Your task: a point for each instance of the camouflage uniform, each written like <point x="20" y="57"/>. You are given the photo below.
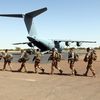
<point x="55" y="59"/>
<point x="72" y="57"/>
<point x="24" y="57"/>
<point x="7" y="59"/>
<point x="36" y="60"/>
<point x="89" y="58"/>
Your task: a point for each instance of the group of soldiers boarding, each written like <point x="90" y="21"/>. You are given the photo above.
<point x="54" y="57"/>
<point x="89" y="58"/>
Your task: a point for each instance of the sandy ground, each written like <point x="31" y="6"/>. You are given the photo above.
<point x="30" y="86"/>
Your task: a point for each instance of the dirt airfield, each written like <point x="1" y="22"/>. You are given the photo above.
<point x="30" y="86"/>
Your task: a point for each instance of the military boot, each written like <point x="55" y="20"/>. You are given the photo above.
<point x="60" y="71"/>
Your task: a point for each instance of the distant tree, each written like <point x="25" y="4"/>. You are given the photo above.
<point x="17" y="48"/>
<point x="97" y="48"/>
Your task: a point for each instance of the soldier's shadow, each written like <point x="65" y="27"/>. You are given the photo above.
<point x="63" y="74"/>
<point x="29" y="72"/>
<point x="0" y="69"/>
<point x="83" y="75"/>
<point x="23" y="71"/>
<point x="45" y="73"/>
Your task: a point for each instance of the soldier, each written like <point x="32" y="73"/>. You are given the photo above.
<point x="55" y="57"/>
<point x="72" y="58"/>
<point x="24" y="57"/>
<point x="7" y="59"/>
<point x="89" y="58"/>
<point x="37" y="59"/>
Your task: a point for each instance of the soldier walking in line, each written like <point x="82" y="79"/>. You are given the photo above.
<point x="89" y="58"/>
<point x="7" y="59"/>
<point x="37" y="59"/>
<point x="55" y="57"/>
<point x="23" y="58"/>
<point x="72" y="58"/>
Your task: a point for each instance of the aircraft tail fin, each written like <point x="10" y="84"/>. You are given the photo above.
<point x="30" y="14"/>
<point x="28" y="18"/>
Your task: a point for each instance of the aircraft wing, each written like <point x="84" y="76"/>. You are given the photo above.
<point x="78" y="43"/>
<point x="83" y="41"/>
<point x="72" y="41"/>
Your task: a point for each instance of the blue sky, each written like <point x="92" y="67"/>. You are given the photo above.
<point x="64" y="19"/>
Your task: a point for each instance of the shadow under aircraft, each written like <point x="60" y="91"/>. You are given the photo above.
<point x="43" y="44"/>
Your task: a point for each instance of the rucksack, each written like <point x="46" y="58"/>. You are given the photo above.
<point x="91" y="57"/>
<point x="58" y="56"/>
<point x="85" y="58"/>
<point x="75" y="57"/>
<point x="94" y="56"/>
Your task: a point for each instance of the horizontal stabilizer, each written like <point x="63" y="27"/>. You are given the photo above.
<point x="12" y="15"/>
<point x="36" y="12"/>
<point x="20" y="43"/>
<point x="30" y="14"/>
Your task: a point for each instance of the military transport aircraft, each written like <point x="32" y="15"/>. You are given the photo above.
<point x="43" y="44"/>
